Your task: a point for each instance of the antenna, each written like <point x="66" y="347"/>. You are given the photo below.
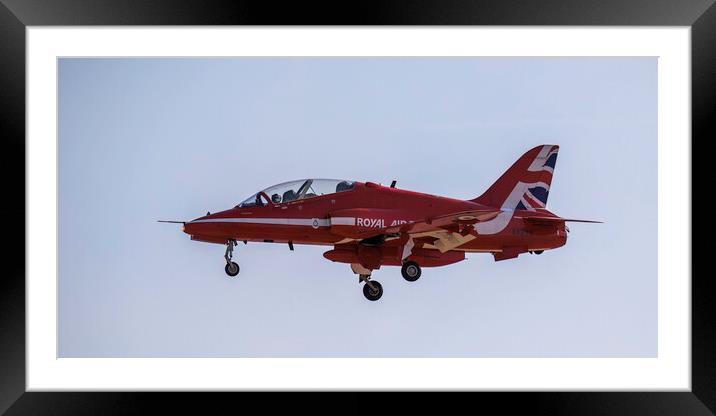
<point x="392" y="184"/>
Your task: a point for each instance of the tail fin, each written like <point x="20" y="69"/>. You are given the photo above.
<point x="525" y="185"/>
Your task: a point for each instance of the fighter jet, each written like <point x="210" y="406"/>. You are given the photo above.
<point x="368" y="225"/>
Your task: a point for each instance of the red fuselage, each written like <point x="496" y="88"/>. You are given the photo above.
<point x="344" y="219"/>
<point x="368" y="225"/>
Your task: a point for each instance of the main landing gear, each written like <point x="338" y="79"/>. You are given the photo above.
<point x="411" y="271"/>
<point x="372" y="290"/>
<point x="231" y="268"/>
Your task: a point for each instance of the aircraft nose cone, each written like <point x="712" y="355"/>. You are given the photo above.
<point x="192" y="227"/>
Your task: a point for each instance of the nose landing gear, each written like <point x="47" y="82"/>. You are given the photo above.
<point x="231" y="268"/>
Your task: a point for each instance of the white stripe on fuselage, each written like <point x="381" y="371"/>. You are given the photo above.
<point x="272" y="221"/>
<point x="343" y="220"/>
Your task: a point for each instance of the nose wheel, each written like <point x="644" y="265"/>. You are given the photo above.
<point x="231" y="268"/>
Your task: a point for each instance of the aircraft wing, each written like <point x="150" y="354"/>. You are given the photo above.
<point x="437" y="223"/>
<point x="455" y="229"/>
<point x="445" y="232"/>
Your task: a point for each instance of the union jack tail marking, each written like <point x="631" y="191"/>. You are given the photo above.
<point x="525" y="185"/>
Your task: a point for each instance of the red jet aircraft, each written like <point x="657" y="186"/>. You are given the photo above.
<point x="370" y="225"/>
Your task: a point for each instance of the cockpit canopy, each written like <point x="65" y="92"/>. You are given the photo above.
<point x="300" y="189"/>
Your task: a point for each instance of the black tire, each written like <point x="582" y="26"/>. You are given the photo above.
<point x="370" y="294"/>
<point x="232" y="269"/>
<point x="411" y="271"/>
<point x="538" y="251"/>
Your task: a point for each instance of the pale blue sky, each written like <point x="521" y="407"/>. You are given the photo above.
<point x="148" y="139"/>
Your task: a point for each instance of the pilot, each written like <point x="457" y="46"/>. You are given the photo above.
<point x="289" y="195"/>
<point x="343" y="186"/>
<point x="276" y="198"/>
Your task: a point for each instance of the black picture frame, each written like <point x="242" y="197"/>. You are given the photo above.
<point x="15" y="15"/>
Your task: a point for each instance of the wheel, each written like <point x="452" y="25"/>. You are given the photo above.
<point x="539" y="251"/>
<point x="411" y="271"/>
<point x="232" y="269"/>
<point x="371" y="294"/>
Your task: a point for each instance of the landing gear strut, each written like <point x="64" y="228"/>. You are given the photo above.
<point x="372" y="290"/>
<point x="231" y="268"/>
<point x="411" y="271"/>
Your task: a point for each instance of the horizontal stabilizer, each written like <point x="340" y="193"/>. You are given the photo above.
<point x="547" y="220"/>
<point x="590" y="221"/>
<point x="172" y="222"/>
